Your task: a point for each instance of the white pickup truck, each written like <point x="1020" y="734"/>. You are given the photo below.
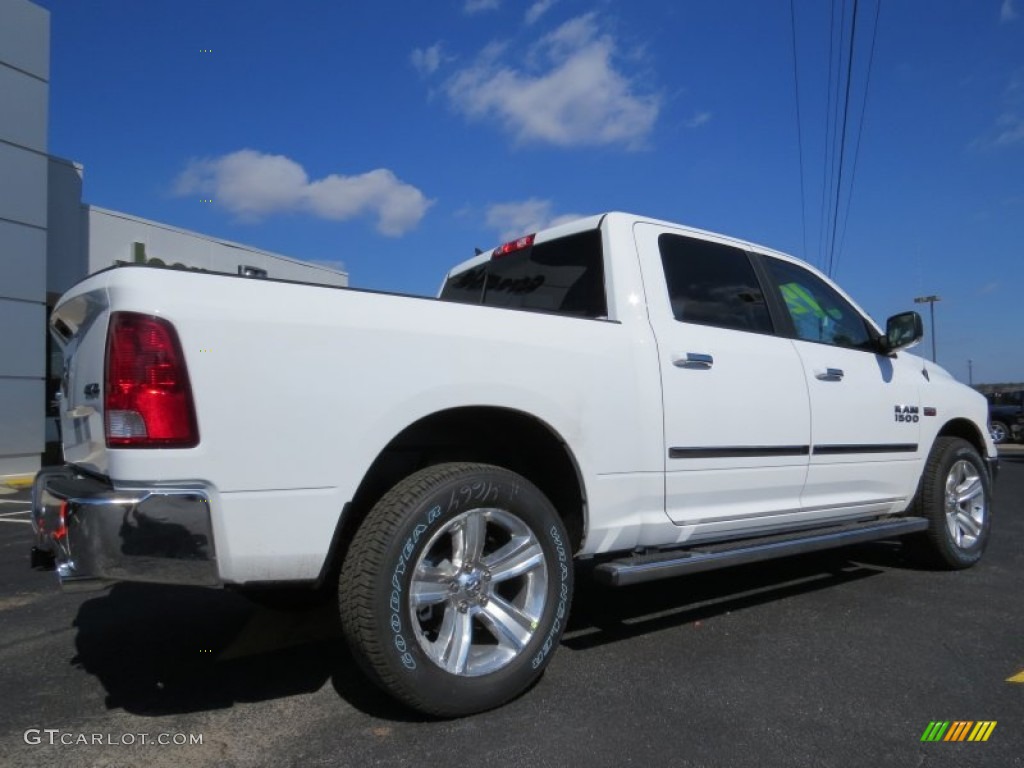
<point x="647" y="398"/>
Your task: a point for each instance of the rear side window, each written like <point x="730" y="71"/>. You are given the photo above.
<point x="565" y="276"/>
<point x="713" y="284"/>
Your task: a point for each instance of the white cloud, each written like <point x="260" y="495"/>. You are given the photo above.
<point x="576" y="97"/>
<point x="1007" y="12"/>
<point x="990" y="287"/>
<point x="1014" y="93"/>
<point x="1010" y="131"/>
<point x="252" y="184"/>
<point x="514" y="219"/>
<point x="699" y="119"/>
<point x="537" y="10"/>
<point x="476" y="6"/>
<point x="427" y="60"/>
<point x="1008" y="126"/>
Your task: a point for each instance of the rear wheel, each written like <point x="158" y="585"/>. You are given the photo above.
<point x="955" y="495"/>
<point x="456" y="588"/>
<point x="999" y="432"/>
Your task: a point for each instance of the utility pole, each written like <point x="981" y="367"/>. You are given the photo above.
<point x="970" y="372"/>
<point x="930" y="301"/>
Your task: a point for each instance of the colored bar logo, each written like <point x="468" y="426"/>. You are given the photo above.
<point x="958" y="730"/>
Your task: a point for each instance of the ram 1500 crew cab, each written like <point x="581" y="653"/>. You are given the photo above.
<point x="650" y="398"/>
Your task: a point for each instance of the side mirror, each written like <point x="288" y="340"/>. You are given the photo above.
<point x="902" y="331"/>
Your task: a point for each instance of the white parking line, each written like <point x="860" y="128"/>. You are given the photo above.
<point x="12" y="514"/>
<point x="5" y="520"/>
<point x="13" y="501"/>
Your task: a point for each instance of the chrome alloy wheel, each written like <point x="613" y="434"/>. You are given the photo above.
<point x="478" y="592"/>
<point x="966" y="505"/>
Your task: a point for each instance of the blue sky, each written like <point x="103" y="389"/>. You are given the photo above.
<point x="396" y="136"/>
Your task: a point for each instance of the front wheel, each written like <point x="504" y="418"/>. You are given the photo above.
<point x="456" y="588"/>
<point x="998" y="431"/>
<point x="955" y="495"/>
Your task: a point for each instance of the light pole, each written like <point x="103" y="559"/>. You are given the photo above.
<point x="970" y="372"/>
<point x="930" y="301"/>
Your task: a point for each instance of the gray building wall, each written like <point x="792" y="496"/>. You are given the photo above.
<point x="67" y="243"/>
<point x="86" y="238"/>
<point x="24" y="94"/>
<point x="114" y="237"/>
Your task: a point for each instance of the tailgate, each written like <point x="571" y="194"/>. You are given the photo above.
<point x="79" y="326"/>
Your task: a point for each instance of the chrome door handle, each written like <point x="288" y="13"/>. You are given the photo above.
<point x="830" y="374"/>
<point x="697" y="360"/>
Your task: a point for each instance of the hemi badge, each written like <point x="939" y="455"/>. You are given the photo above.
<point x="929" y="411"/>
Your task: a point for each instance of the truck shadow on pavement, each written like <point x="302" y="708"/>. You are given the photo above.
<point x="159" y="650"/>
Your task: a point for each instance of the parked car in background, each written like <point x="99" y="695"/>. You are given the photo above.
<point x="1005" y="411"/>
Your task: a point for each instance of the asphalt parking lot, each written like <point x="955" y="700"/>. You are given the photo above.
<point x="833" y="659"/>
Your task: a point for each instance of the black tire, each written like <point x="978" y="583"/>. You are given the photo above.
<point x="999" y="432"/>
<point x="958" y="529"/>
<point x="489" y="561"/>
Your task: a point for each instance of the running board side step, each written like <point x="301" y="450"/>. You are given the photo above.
<point x="637" y="569"/>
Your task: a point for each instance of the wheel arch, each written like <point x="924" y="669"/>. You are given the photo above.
<point x="966" y="430"/>
<point x="493" y="435"/>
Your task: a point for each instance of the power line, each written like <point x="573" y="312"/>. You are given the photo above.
<point x="825" y="180"/>
<point x="799" y="130"/>
<point x="842" y="143"/>
<point x="839" y="135"/>
<point x="860" y="132"/>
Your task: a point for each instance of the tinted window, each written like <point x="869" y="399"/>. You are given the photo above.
<point x="466" y="287"/>
<point x="818" y="311"/>
<point x="712" y="284"/>
<point x="564" y="276"/>
<point x="1013" y="397"/>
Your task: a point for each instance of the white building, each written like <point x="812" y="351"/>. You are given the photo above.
<point x="85" y="238"/>
<point x="49" y="240"/>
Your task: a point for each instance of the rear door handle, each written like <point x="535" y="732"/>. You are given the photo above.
<point x="697" y="360"/>
<point x="830" y="374"/>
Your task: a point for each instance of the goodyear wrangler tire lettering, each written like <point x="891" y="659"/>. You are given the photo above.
<point x="395" y="601"/>
<point x="456" y="588"/>
<point x="563" y="597"/>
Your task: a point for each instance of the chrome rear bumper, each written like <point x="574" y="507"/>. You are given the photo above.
<point x="98" y="533"/>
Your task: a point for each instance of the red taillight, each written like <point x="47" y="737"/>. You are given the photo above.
<point x="512" y="246"/>
<point x="148" y="398"/>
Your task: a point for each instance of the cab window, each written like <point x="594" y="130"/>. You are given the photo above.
<point x="818" y="312"/>
<point x="712" y="284"/>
